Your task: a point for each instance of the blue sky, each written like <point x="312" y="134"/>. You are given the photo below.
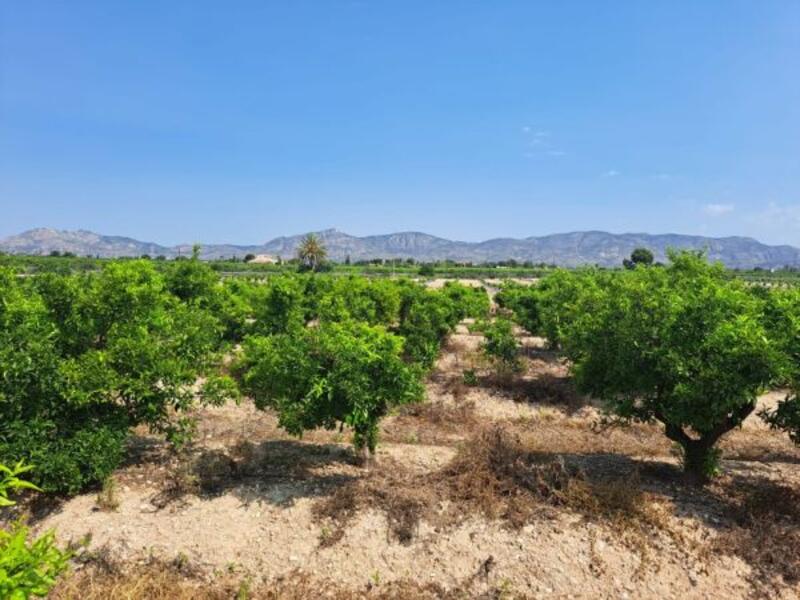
<point x="241" y="121"/>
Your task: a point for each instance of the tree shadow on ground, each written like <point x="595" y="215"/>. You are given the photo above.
<point x="770" y="456"/>
<point x="278" y="472"/>
<point x="755" y="516"/>
<point x="543" y="354"/>
<point x="144" y="449"/>
<point x="548" y="389"/>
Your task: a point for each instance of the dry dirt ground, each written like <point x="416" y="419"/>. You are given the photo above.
<point x="509" y="488"/>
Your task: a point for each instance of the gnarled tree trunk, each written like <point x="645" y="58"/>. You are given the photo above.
<point x="698" y="453"/>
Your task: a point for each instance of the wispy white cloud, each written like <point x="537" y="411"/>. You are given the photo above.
<point x="539" y="144"/>
<point x="662" y="176"/>
<point x="611" y="173"/>
<point x="718" y="210"/>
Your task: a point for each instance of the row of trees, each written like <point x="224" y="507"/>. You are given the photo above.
<point x="85" y="357"/>
<point x="684" y="345"/>
<point x="329" y="352"/>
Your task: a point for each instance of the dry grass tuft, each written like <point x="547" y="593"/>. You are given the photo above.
<point x="388" y="488"/>
<point x="547" y="388"/>
<point x="159" y="581"/>
<point x="107" y="498"/>
<point x="448" y="417"/>
<point x="432" y="422"/>
<point x="150" y="584"/>
<point x="214" y="470"/>
<point x="493" y="473"/>
<point x="457" y="388"/>
<point x="180" y="481"/>
<point x="497" y="475"/>
<point x="766" y="532"/>
<point x="550" y="431"/>
<point x="102" y="577"/>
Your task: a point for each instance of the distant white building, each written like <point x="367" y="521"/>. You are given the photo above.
<point x="264" y="259"/>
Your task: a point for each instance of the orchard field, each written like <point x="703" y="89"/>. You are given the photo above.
<point x="170" y="432"/>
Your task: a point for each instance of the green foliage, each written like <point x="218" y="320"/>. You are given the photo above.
<point x="233" y="310"/>
<point x="786" y="416"/>
<point x="69" y="456"/>
<point x="468" y="302"/>
<point x="28" y="568"/>
<point x="426" y="317"/>
<point x="374" y="302"/>
<point x="427" y="270"/>
<point x="279" y="306"/>
<point x="192" y="281"/>
<point x="311" y="252"/>
<point x="338" y="373"/>
<point x="640" y="256"/>
<point x="550" y="305"/>
<point x="501" y="346"/>
<point x="10" y="480"/>
<point x="85" y="357"/>
<point x="782" y="307"/>
<point x="684" y="345"/>
<point x="522" y="301"/>
<point x="196" y="284"/>
<point x="469" y="377"/>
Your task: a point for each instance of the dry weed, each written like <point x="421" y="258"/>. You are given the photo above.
<point x="497" y="475"/>
<point x="160" y="581"/>
<point x="107" y="498"/>
<point x="448" y="417"/>
<point x="766" y="532"/>
<point x="181" y="481"/>
<point x="387" y="487"/>
<point x="432" y="423"/>
<point x="153" y="582"/>
<point x="214" y="470"/>
<point x="549" y="430"/>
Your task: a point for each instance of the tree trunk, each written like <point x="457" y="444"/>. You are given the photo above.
<point x="366" y="438"/>
<point x="698" y="459"/>
<point x="698" y="453"/>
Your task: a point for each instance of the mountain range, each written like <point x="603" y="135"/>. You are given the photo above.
<point x="565" y="249"/>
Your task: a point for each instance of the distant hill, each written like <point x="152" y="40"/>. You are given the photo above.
<point x="80" y="242"/>
<point x="565" y="249"/>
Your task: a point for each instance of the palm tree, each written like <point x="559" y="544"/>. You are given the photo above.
<point x="311" y="252"/>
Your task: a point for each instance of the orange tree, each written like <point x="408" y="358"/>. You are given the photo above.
<point x="336" y="374"/>
<point x="684" y="345"/>
<point x="783" y="317"/>
<point x="83" y="358"/>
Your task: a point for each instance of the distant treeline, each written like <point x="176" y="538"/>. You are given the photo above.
<point x="63" y="262"/>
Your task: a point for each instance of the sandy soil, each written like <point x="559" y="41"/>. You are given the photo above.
<point x="255" y="516"/>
